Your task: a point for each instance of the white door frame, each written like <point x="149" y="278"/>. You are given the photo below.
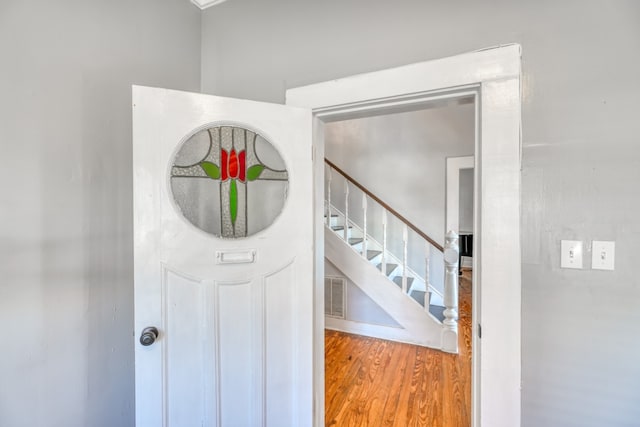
<point x="452" y="211"/>
<point x="453" y="167"/>
<point x="493" y="76"/>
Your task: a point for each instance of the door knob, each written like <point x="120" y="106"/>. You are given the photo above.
<point x="148" y="336"/>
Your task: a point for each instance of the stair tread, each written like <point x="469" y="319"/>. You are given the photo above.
<point x="355" y="240"/>
<point x="398" y="281"/>
<point x="435" y="310"/>
<point x="418" y="296"/>
<point x="390" y="268"/>
<point x="372" y="254"/>
<point x="339" y="227"/>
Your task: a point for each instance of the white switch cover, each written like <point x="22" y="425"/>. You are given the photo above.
<point x="570" y="254"/>
<point x="603" y="255"/>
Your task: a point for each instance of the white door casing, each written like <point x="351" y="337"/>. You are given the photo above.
<point x="493" y="77"/>
<point x="452" y="196"/>
<point x="235" y="316"/>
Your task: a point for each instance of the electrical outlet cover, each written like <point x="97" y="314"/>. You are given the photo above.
<point x="571" y="254"/>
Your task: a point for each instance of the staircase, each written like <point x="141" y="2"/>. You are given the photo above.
<point x="381" y="258"/>
<point x="415" y="284"/>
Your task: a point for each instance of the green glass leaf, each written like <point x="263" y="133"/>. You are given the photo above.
<point x="212" y="170"/>
<point x="254" y="172"/>
<point x="233" y="201"/>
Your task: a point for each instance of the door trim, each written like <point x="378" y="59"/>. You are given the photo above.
<point x="494" y="75"/>
<point x="452" y="170"/>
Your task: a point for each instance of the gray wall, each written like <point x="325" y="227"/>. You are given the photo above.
<point x="465" y="203"/>
<point x="360" y="308"/>
<point x="66" y="261"/>
<point x="401" y="158"/>
<point x="581" y="156"/>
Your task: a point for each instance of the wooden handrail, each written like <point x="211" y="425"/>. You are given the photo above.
<point x="384" y="205"/>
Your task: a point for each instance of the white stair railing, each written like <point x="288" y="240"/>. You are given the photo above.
<point x="370" y="202"/>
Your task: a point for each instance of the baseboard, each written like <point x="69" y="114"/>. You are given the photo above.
<point x="368" y="330"/>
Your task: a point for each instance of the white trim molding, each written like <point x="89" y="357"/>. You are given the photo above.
<point x="493" y="76"/>
<point x="452" y="210"/>
<point x="205" y="4"/>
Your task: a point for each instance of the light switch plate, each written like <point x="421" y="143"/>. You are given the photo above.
<point x="603" y="255"/>
<point x="570" y="254"/>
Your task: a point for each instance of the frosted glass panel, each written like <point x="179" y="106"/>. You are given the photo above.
<point x="266" y="197"/>
<point x="206" y="213"/>
<point x="229" y="181"/>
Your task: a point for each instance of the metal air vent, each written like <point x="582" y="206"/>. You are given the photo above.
<point x="335" y="297"/>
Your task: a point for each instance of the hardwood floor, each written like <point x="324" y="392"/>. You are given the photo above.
<point x="373" y="382"/>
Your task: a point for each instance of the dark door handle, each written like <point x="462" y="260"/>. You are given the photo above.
<point x="149" y="336"/>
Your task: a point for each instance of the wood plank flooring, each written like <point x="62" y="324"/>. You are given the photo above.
<point x="373" y="382"/>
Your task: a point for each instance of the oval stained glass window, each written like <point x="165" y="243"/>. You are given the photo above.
<point x="229" y="181"/>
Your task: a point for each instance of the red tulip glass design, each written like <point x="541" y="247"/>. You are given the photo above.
<point x="233" y="167"/>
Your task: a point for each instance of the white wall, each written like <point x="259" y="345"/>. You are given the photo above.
<point x="581" y="156"/>
<point x="66" y="280"/>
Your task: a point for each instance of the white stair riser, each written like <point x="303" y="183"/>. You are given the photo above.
<point x="335" y="220"/>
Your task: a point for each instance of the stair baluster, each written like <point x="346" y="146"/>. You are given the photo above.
<point x="405" y="244"/>
<point x="364" y="226"/>
<point x="427" y="282"/>
<point x="450" y="323"/>
<point x="329" y="197"/>
<point x="346" y="210"/>
<point x="383" y="261"/>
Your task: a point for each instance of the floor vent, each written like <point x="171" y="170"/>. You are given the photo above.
<point x="335" y="296"/>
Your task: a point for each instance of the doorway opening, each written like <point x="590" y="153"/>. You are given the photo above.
<point x="386" y="179"/>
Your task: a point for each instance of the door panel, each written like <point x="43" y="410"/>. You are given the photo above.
<point x="238" y="347"/>
<point x="280" y="334"/>
<point x="234" y="314"/>
<point x="184" y="307"/>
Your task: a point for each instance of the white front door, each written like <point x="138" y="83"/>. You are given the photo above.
<point x="223" y="226"/>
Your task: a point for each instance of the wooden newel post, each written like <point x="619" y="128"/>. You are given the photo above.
<point x="450" y="323"/>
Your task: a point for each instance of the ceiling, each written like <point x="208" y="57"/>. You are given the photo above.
<point x="203" y="4"/>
